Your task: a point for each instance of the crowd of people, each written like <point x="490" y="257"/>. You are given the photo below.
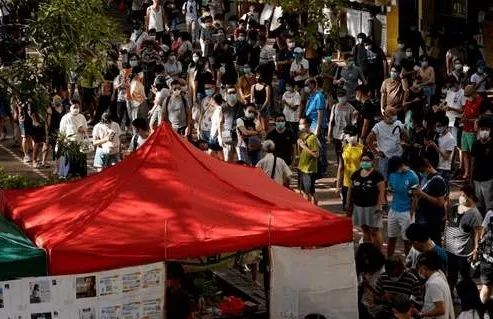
<point x="412" y="127"/>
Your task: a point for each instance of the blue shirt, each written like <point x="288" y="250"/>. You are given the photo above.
<point x="401" y="183"/>
<point x="315" y="103"/>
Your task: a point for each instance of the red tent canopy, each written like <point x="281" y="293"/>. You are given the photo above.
<point x="168" y="200"/>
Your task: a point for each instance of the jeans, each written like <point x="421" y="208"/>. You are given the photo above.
<point x="383" y="166"/>
<point x="484" y="193"/>
<point x="250" y="157"/>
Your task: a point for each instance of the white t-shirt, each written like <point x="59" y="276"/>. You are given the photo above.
<point x="446" y="143"/>
<point x="437" y="289"/>
<point x="341" y="116"/>
<point x="155" y="18"/>
<point x="295" y="66"/>
<point x="455" y="100"/>
<point x="70" y="124"/>
<point x="476" y="78"/>
<point x="282" y="170"/>
<point x="469" y="314"/>
<point x="389" y="138"/>
<point x="291" y="98"/>
<point x="101" y="131"/>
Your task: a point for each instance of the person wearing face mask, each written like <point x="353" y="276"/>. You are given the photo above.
<point x="210" y="125"/>
<point x="260" y="96"/>
<point x="388" y="135"/>
<point x="427" y="74"/>
<point x="482" y="168"/>
<point x="480" y="78"/>
<point x="350" y="163"/>
<point x="291" y="101"/>
<point x="242" y="49"/>
<point x="349" y="76"/>
<point x="438" y="303"/>
<point x="106" y="139"/>
<point x="231" y="110"/>
<point x="283" y="62"/>
<point x="368" y="111"/>
<point x="366" y="195"/>
<point x="462" y="235"/>
<point x="342" y="115"/>
<point x="359" y="50"/>
<point x="376" y="66"/>
<point x="454" y="105"/>
<point x="206" y="111"/>
<point x="138" y="36"/>
<point x="469" y="121"/>
<point x="316" y="110"/>
<point x="121" y="84"/>
<point x="445" y="148"/>
<point x="245" y="84"/>
<point x="73" y="126"/>
<point x="274" y="166"/>
<point x="299" y="68"/>
<point x="173" y="67"/>
<point x="399" y="54"/>
<point x="394" y="91"/>
<point x="161" y="92"/>
<point x="283" y="138"/>
<point x="429" y="200"/>
<point x="249" y="131"/>
<point x="401" y="180"/>
<point x="458" y="73"/>
<point x="395" y="281"/>
<point x="176" y="110"/>
<point x="205" y="38"/>
<point x="309" y="151"/>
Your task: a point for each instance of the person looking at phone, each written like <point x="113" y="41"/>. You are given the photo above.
<point x="106" y="138"/>
<point x="402" y="180"/>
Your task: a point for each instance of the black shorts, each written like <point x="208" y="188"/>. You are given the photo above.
<point x="39" y="134"/>
<point x="486" y="273"/>
<point x="306" y="182"/>
<point x="214" y="144"/>
<point x="26" y="127"/>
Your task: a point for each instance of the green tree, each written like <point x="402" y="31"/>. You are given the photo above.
<point x="62" y="36"/>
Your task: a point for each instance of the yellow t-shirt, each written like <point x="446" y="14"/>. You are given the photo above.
<point x="308" y="163"/>
<point x="351" y="155"/>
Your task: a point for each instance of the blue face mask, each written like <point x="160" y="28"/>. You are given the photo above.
<point x="280" y="125"/>
<point x="209" y="92"/>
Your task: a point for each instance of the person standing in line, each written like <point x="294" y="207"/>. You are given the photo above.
<point x="445" y="148"/>
<point x="156" y="19"/>
<point x="482" y="164"/>
<point x="469" y="119"/>
<point x="274" y="166"/>
<point x="308" y="161"/>
<point x="401" y="181"/>
<point x="367" y="195"/>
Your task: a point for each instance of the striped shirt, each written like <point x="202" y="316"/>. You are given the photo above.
<point x="407" y="285"/>
<point x="459" y="231"/>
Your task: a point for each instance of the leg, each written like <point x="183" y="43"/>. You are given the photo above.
<point x="376" y="237"/>
<point x="485" y="293"/>
<point x="453" y="270"/>
<point x="391" y="246"/>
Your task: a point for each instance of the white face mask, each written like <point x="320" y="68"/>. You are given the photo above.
<point x="462" y="200"/>
<point x="483" y="134"/>
<point x="352" y="140"/>
<point x="134" y="63"/>
<point x="74" y="111"/>
<point x="195" y="59"/>
<point x="409" y="54"/>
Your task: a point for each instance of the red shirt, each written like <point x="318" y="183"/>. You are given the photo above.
<point x="471" y="113"/>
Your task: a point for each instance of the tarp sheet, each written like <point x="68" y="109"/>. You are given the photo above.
<point x="168" y="200"/>
<point x="19" y="257"/>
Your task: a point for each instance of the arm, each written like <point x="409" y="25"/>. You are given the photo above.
<point x="320" y="116"/>
<point x="365" y="129"/>
<point x="438" y="310"/>
<point x="267" y="99"/>
<point x="252" y="96"/>
<point x="381" y="194"/>
<point x="435" y="201"/>
<point x="383" y="98"/>
<point x="370" y="140"/>
<point x="331" y="122"/>
<point x="146" y="18"/>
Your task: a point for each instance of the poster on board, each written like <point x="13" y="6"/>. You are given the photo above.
<point x="127" y="293"/>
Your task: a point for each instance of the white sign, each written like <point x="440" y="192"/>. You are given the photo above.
<point x="314" y="281"/>
<point x="126" y="293"/>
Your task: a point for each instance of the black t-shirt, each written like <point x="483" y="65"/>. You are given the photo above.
<point x="483" y="159"/>
<point x="284" y="144"/>
<point x="368" y="112"/>
<point x="427" y="213"/>
<point x="364" y="190"/>
<point x="242" y="49"/>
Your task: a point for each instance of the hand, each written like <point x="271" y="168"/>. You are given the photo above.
<point x="301" y="143"/>
<point x="417" y="192"/>
<point x="81" y="129"/>
<point x="188" y="131"/>
<point x="473" y="256"/>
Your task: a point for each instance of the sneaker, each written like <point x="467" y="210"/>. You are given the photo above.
<point x="27" y="159"/>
